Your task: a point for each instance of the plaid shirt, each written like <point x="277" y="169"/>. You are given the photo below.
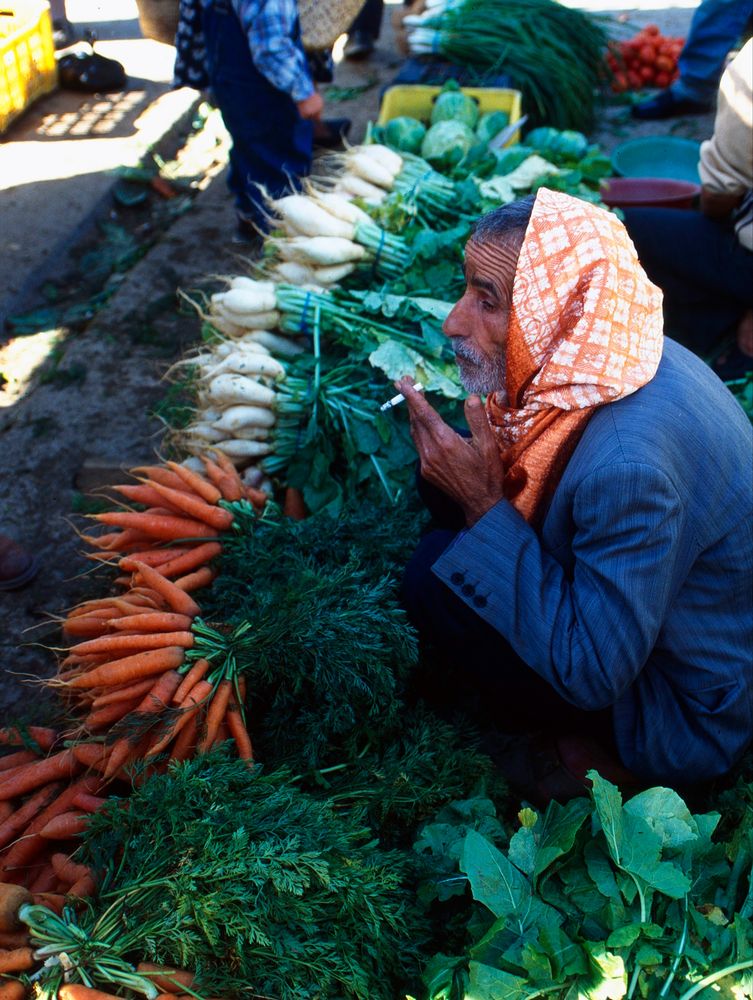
<point x="270" y="26"/>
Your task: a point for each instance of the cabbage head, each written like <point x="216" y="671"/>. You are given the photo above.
<point x="490" y="124"/>
<point x="405" y="133"/>
<point x="453" y="105"/>
<point x="446" y="143"/>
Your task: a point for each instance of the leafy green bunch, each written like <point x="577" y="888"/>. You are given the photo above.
<point x="256" y="886"/>
<point x="604" y="900"/>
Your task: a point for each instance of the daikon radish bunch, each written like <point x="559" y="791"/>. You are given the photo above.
<point x="321" y="240"/>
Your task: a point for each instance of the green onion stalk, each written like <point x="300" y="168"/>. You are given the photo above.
<point x="388" y="255"/>
<point x="434" y="196"/>
<point x="86" y="949"/>
<point x="552" y="53"/>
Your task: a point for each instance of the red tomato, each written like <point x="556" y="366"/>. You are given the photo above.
<point x="634" y="79"/>
<point x="662" y="79"/>
<point x="651" y="29"/>
<point x="664" y="64"/>
<point x="647" y="54"/>
<point x="646" y="73"/>
<point x="620" y="83"/>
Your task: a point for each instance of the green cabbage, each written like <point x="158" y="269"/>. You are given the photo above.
<point x="405" y="133"/>
<point x="452" y="105"/>
<point x="490" y="124"/>
<point x="510" y="158"/>
<point x="559" y="146"/>
<point x="446" y="143"/>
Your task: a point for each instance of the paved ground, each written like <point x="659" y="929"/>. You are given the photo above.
<point x="78" y="404"/>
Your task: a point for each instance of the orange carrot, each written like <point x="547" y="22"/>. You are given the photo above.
<point x="189" y="706"/>
<point x="89" y="803"/>
<point x="52" y="900"/>
<point x="193" y="506"/>
<point x="153" y="557"/>
<point x="65" y="826"/>
<point x="176" y="599"/>
<point x="66" y="870"/>
<point x="43" y="736"/>
<point x="238" y="730"/>
<point x="12" y="760"/>
<point x="194" y="675"/>
<point x="121" y="643"/>
<point x="185" y="742"/>
<point x="231" y="487"/>
<point x="165" y="978"/>
<point x="103" y="718"/>
<point x="215" y="714"/>
<point x="90" y="754"/>
<point x="86" y="626"/>
<point x="12" y="989"/>
<point x="19" y="820"/>
<point x="196" y="482"/>
<point x="41" y="772"/>
<point x="190" y="560"/>
<point x="75" y="991"/>
<point x="294" y="506"/>
<point x="123" y="693"/>
<point x="14" y="939"/>
<point x="45" y="880"/>
<point x="153" y="621"/>
<point x="12" y="898"/>
<point x="6" y="810"/>
<point x="130" y="668"/>
<point x="160" y="474"/>
<point x="141" y="493"/>
<point x="165" y="527"/>
<point x="196" y="580"/>
<point x="155" y="701"/>
<point x="16" y="960"/>
<point x="257" y="497"/>
<point x="25" y="848"/>
<point x="83" y="888"/>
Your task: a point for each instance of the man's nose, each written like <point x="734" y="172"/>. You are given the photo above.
<point x="454" y="326"/>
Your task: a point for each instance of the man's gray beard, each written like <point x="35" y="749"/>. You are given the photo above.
<point x="478" y="372"/>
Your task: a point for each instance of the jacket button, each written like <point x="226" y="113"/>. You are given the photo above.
<point x="467" y="589"/>
<point x="457" y="578"/>
<point x="479" y="601"/>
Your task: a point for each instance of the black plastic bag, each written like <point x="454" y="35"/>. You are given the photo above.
<point x="91" y="72"/>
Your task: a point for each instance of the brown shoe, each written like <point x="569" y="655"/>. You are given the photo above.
<point x="17" y="565"/>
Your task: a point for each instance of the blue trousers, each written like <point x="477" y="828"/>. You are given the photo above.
<point x="715" y="29"/>
<point x="271" y="143"/>
<point x="706" y="276"/>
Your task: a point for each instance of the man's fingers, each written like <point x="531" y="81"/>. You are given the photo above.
<point x="478" y="425"/>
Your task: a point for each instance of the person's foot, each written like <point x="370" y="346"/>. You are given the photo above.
<point x="17" y="565"/>
<point x="360" y="45"/>
<point x="330" y="132"/>
<point x="666" y="104"/>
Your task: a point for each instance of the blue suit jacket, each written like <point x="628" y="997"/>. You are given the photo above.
<point x="637" y="590"/>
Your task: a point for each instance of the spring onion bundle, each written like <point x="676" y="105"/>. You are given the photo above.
<point x="553" y="54"/>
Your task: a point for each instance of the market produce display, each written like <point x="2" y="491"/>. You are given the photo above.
<point x="648" y="59"/>
<point x="553" y="54"/>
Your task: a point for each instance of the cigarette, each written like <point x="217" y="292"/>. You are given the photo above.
<point x="396" y="400"/>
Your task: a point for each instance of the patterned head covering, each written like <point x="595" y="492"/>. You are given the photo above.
<point x="585" y="329"/>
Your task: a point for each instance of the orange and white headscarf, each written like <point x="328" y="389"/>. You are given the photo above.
<point x="585" y="329"/>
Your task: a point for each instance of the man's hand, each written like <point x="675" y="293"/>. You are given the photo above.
<point x="312" y="107"/>
<point x="468" y="470"/>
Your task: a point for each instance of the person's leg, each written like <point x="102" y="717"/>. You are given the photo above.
<point x="706" y="276"/>
<point x="272" y="144"/>
<point x="364" y="31"/>
<point x="716" y="28"/>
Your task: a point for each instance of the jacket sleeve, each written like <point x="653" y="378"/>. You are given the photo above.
<point x="270" y="26"/>
<point x="587" y="632"/>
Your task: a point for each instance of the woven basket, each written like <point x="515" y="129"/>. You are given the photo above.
<point x="323" y="21"/>
<point x="158" y="19"/>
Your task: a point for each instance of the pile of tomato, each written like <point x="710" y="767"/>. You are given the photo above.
<point x="647" y="60"/>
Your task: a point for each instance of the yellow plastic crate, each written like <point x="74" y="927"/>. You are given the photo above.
<point x="417" y="100"/>
<point x="27" y="56"/>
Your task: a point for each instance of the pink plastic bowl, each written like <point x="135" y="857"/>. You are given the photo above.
<point x="656" y="192"/>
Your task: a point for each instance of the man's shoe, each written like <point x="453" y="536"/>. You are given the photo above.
<point x="360" y="45"/>
<point x="17" y="565"/>
<point x="666" y="105"/>
<point x="330" y="132"/>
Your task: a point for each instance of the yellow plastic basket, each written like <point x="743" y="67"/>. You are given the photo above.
<point x="27" y="57"/>
<point x="416" y="100"/>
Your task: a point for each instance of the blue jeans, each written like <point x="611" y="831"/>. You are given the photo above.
<point x="272" y="144"/>
<point x="715" y="29"/>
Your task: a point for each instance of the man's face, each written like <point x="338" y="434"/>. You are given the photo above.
<point x="477" y="325"/>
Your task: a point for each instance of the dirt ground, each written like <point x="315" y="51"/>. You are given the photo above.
<point x="80" y="396"/>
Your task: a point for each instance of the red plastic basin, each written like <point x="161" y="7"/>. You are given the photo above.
<point x="656" y="192"/>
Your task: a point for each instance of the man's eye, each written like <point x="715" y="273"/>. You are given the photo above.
<point x="487" y="306"/>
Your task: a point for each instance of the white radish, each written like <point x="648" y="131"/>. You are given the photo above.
<point x="370" y="170"/>
<point x="321" y="251"/>
<point x="331" y="275"/>
<point x="204" y="432"/>
<point x="306" y="218"/>
<point x="242" y="281"/>
<point x="341" y="207"/>
<point x="254" y="321"/>
<point x="251" y="434"/>
<point x="292" y="273"/>
<point x="249" y="363"/>
<point x="385" y="156"/>
<point x="239" y="449"/>
<point x="278" y="344"/>
<point x="225" y="326"/>
<point x="235" y="418"/>
<point x="259" y="298"/>
<point x="253" y="477"/>
<point x="359" y="188"/>
<point x="227" y="389"/>
<point x="194" y="464"/>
